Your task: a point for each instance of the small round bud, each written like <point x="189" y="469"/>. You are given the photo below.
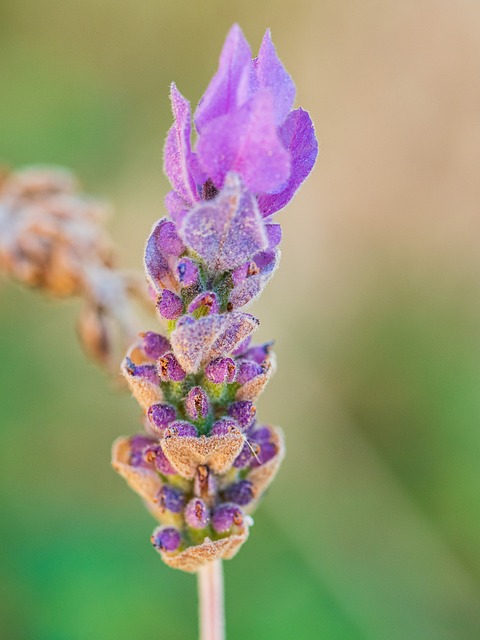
<point x="196" y="404"/>
<point x="160" y="416"/>
<point x="170" y="369"/>
<point x="170" y="499"/>
<point x="166" y="539"/>
<point x="223" y="427"/>
<point x="240" y="492"/>
<point x="154" y="345"/>
<point x="170" y="305"/>
<point x="180" y="428"/>
<point x="243" y="412"/>
<point x="225" y="516"/>
<point x="196" y="514"/>
<point x="221" y="370"/>
<point x="246" y="370"/>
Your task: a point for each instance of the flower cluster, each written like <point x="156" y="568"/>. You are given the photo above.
<point x="52" y="237"/>
<point x="204" y="461"/>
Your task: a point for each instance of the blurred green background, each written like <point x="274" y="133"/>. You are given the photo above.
<point x="372" y="529"/>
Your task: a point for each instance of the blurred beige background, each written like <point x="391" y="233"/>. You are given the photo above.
<point x="372" y="529"/>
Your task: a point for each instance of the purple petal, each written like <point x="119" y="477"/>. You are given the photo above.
<point x="271" y="74"/>
<point x="298" y="136"/>
<point x="229" y="87"/>
<point x="176" y="207"/>
<point x="162" y="243"/>
<point x="247" y="142"/>
<point x="226" y="231"/>
<point x="274" y="234"/>
<point x="177" y="152"/>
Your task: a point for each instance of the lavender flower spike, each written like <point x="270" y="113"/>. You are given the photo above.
<point x="206" y="462"/>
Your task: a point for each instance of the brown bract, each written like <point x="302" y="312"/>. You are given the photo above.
<point x="186" y="453"/>
<point x="193" y="558"/>
<point x="254" y="387"/>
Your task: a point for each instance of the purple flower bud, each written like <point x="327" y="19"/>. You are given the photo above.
<point x="246" y="455"/>
<point x="243" y="412"/>
<point x="143" y="371"/>
<point x="187" y="272"/>
<point x="258" y="353"/>
<point x="170" y="305"/>
<point x="223" y="427"/>
<point x="137" y="446"/>
<point x="196" y="404"/>
<point x="204" y="304"/>
<point x="180" y="428"/>
<point x="221" y="370"/>
<point x="160" y="416"/>
<point x="170" y="499"/>
<point x="248" y="369"/>
<point x="225" y="516"/>
<point x="241" y="492"/>
<point x="154" y="345"/>
<point x="169" y="368"/>
<point x="196" y="514"/>
<point x="268" y="450"/>
<point x="166" y="539"/>
<point x="154" y="453"/>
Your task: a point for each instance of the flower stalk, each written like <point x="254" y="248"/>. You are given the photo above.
<point x="211" y="601"/>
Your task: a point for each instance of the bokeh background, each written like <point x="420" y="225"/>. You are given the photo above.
<point x="372" y="529"/>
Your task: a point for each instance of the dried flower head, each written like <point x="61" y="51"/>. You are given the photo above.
<point x="52" y="236"/>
